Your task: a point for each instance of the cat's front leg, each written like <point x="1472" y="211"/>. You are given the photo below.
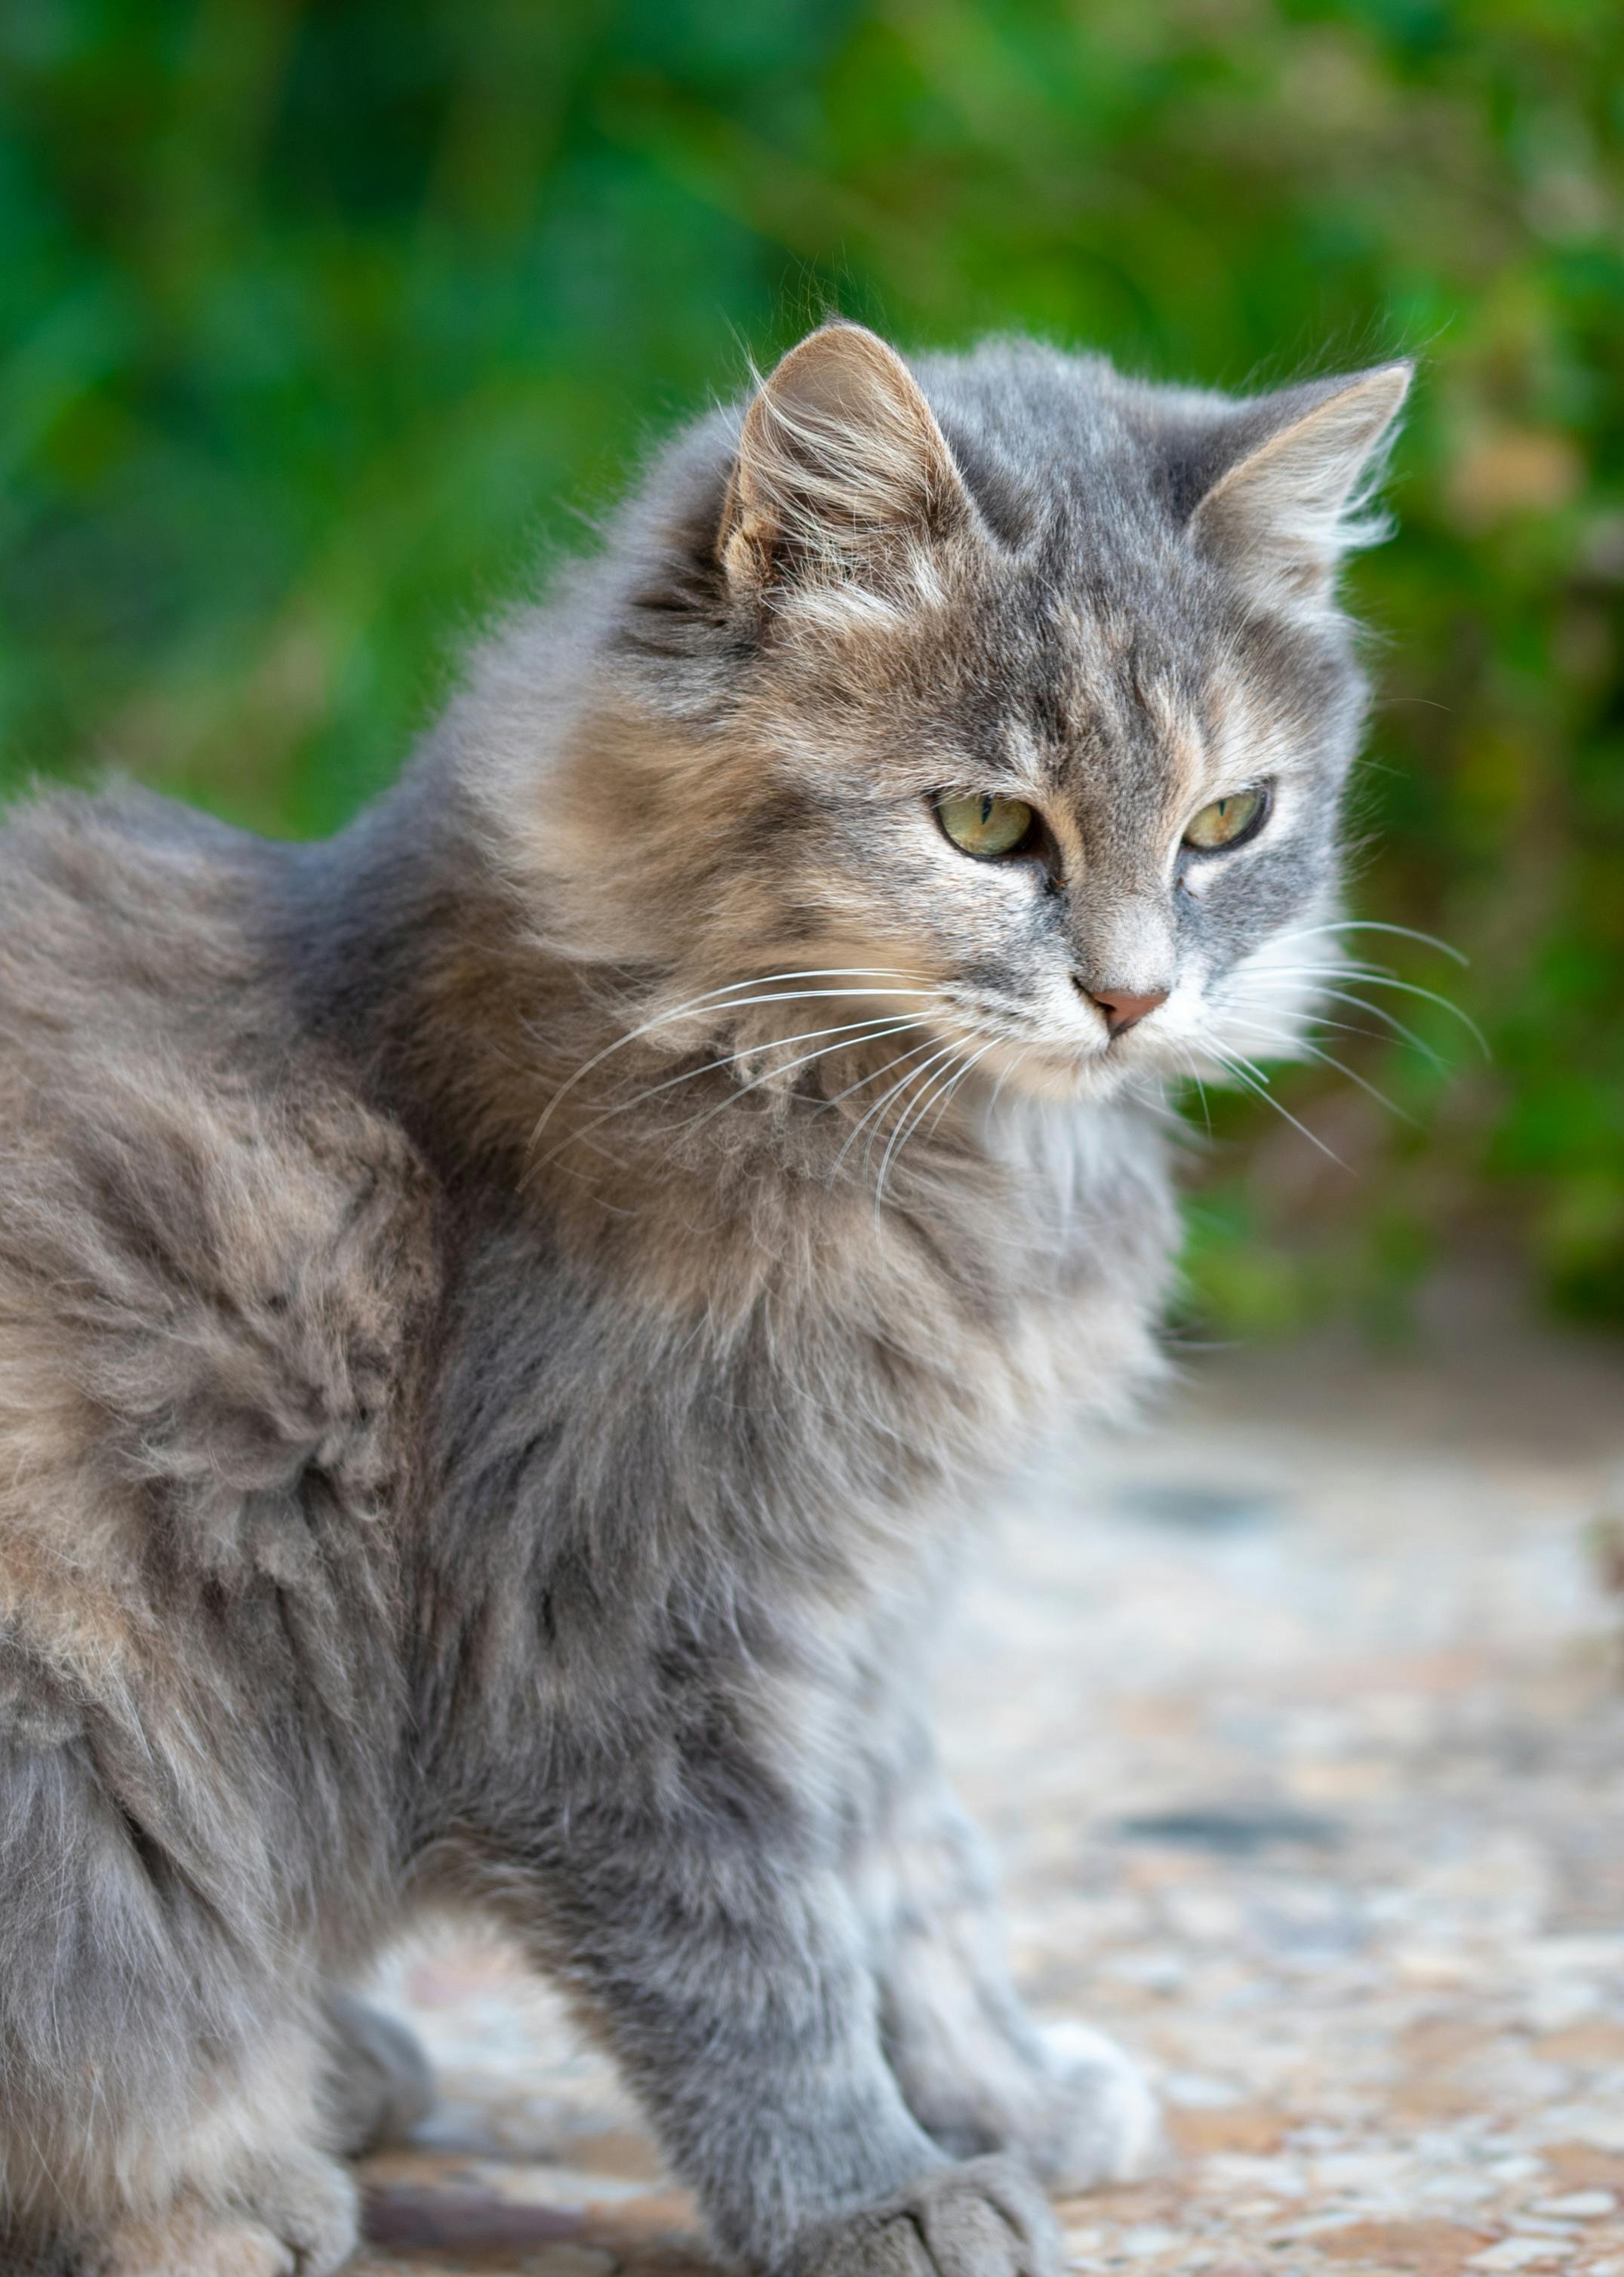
<point x="727" y="1969"/>
<point x="975" y="2069"/>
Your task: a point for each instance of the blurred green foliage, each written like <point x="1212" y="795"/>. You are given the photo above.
<point x="321" y="320"/>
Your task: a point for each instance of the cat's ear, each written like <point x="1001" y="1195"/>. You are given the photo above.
<point x="839" y="463"/>
<point x="1282" y="514"/>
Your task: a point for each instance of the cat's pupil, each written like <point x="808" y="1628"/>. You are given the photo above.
<point x="986" y="807"/>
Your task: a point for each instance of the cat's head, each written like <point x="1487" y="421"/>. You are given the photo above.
<point x="998" y="691"/>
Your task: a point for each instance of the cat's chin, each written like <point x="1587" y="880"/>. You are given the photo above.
<point x="1066" y="1080"/>
<point x="1124" y="1070"/>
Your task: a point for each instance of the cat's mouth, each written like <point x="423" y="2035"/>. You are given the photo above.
<point x="1064" y="1067"/>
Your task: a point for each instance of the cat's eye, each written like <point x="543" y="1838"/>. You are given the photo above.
<point x="988" y="828"/>
<point x="1227" y="821"/>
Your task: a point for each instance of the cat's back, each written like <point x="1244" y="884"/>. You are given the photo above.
<point x="212" y="1253"/>
<point x="125" y="933"/>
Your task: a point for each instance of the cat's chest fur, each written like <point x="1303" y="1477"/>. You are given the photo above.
<point x="776" y="1372"/>
<point x="664" y="1536"/>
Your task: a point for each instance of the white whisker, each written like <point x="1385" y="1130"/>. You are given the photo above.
<point x="884" y="1021"/>
<point x="719" y="999"/>
<point x="874" y="1036"/>
<point x="873" y="1074"/>
<point x="887" y="1024"/>
<point x="1255" y="1081"/>
<point x="1430" y="996"/>
<point x="915" y="1109"/>
<point x="1377" y="977"/>
<point x="1374" y="925"/>
<point x="885" y="1098"/>
<point x="1303" y="1045"/>
<point x="943" y="1100"/>
<point x="1390" y="1020"/>
<point x="1188" y="1056"/>
<point x="744" y="1003"/>
<point x="968" y="1069"/>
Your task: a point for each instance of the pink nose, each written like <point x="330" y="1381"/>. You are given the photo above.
<point x="1123" y="1010"/>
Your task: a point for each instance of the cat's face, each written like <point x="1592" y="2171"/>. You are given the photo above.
<point x="1038" y="707"/>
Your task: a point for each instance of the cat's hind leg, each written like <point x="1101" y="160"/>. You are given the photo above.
<point x="243" y="2191"/>
<point x="164" y="2048"/>
<point x="977" y="2072"/>
<point x="288" y="2216"/>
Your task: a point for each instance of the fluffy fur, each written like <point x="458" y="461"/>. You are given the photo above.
<point x="501" y="1314"/>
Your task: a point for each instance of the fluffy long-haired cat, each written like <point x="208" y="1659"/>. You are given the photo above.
<point x="502" y="1313"/>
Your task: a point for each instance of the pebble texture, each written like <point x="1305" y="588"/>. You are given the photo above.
<point x="1299" y="1722"/>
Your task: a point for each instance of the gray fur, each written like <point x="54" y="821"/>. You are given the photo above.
<point x="483" y="1416"/>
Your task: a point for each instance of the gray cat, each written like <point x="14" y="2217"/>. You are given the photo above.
<point x="501" y="1314"/>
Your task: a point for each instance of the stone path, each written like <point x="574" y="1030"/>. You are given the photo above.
<point x="1299" y="1724"/>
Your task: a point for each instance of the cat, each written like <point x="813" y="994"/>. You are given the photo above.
<point x="506" y="1314"/>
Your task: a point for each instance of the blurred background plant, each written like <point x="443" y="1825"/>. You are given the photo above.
<point x="323" y="320"/>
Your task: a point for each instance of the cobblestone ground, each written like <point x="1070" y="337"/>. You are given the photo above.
<point x="1299" y="1724"/>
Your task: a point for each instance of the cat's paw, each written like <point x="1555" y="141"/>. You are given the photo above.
<point x="380" y="2085"/>
<point x="295" y="2219"/>
<point x="986" y="2218"/>
<point x="188" y="2240"/>
<point x="1102" y="2123"/>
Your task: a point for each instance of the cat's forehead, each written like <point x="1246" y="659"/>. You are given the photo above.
<point x="1092" y="696"/>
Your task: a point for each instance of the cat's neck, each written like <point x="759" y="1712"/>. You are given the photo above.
<point x="410" y="958"/>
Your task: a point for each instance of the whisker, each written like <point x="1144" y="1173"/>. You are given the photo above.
<point x="873" y="1074"/>
<point x="1190" y="1070"/>
<point x="1022" y="1054"/>
<point x="1378" y="977"/>
<point x="1259" y="1084"/>
<point x="1348" y="968"/>
<point x="892" y="1028"/>
<point x="1375" y="924"/>
<point x="884" y="1100"/>
<point x="943" y="1092"/>
<point x="717" y="998"/>
<point x="1375" y="1035"/>
<point x="1430" y="996"/>
<point x="881" y="1020"/>
<point x="958" y="1079"/>
<point x="1352" y="1075"/>
<point x="921" y="1074"/>
<point x="887" y="1024"/>
<point x="943" y="1100"/>
<point x="916" y="1109"/>
<point x="1390" y="1019"/>
<point x="744" y="1003"/>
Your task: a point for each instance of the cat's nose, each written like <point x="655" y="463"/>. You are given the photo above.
<point x="1123" y="1009"/>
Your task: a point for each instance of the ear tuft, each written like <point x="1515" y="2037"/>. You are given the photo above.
<point x="1282" y="516"/>
<point x="840" y="456"/>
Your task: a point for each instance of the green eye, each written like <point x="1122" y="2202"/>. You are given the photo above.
<point x="1226" y="821"/>
<point x="985" y="826"/>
